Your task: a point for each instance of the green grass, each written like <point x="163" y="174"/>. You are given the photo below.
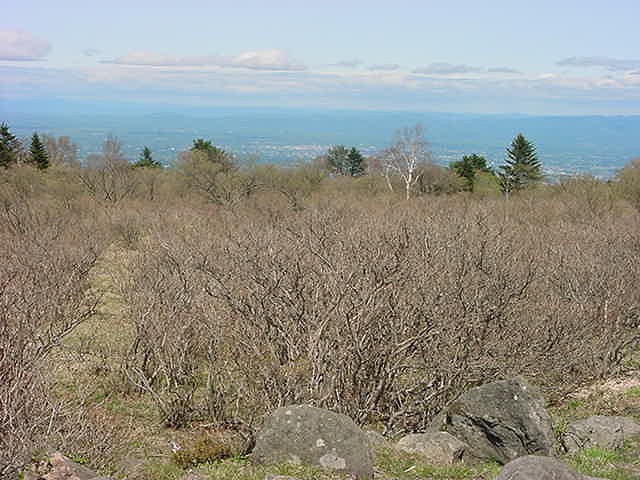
<point x="163" y="471"/>
<point x="390" y="464"/>
<point x="622" y="464"/>
<point x="402" y="466"/>
<point x="633" y="392"/>
<point x="241" y="469"/>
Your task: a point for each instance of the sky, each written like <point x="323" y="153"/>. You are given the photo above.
<point x="558" y="57"/>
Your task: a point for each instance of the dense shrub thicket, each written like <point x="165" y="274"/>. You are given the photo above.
<point x="243" y="289"/>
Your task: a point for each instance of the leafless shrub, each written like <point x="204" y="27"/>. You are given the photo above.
<point x="387" y="312"/>
<point x="629" y="182"/>
<point x="109" y="177"/>
<point x="44" y="296"/>
<point x="219" y="182"/>
<point x="313" y="290"/>
<point x="169" y="341"/>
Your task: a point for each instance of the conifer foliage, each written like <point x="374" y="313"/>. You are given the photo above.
<point x="146" y="159"/>
<point x="39" y="156"/>
<point x="355" y="163"/>
<point x="470" y="167"/>
<point x="9" y="147"/>
<point x="344" y="161"/>
<point x="522" y="168"/>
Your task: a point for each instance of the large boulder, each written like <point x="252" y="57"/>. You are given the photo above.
<point x="499" y="421"/>
<point x="303" y="434"/>
<point x="437" y="448"/>
<point x="59" y="467"/>
<point x="376" y="439"/>
<point x="600" y="431"/>
<point x="533" y="467"/>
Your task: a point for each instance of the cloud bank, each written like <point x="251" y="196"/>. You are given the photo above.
<point x="503" y="70"/>
<point x="19" y="45"/>
<point x="441" y="68"/>
<point x="612" y="64"/>
<point x="386" y="67"/>
<point x="273" y="59"/>
<point x="351" y="63"/>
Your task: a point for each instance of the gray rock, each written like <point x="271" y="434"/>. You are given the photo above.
<point x="533" y="467"/>
<point x="376" y="439"/>
<point x="600" y="431"/>
<point x="499" y="421"/>
<point x="438" y="448"/>
<point x="59" y="467"/>
<point x="315" y="436"/>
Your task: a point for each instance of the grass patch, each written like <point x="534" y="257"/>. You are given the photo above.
<point x="622" y="464"/>
<point x="239" y="468"/>
<point x="204" y="449"/>
<point x="633" y="393"/>
<point x="162" y="471"/>
<point x="403" y="466"/>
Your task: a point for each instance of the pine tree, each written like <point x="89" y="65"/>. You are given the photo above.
<point x="355" y="163"/>
<point x="146" y="159"/>
<point x="39" y="156"/>
<point x="9" y="147"/>
<point x="522" y="168"/>
<point x="337" y="158"/>
<point x="213" y="154"/>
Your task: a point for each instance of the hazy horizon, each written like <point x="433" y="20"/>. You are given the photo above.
<point x="567" y="145"/>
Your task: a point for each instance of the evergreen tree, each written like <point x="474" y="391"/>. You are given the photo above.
<point x="146" y="159"/>
<point x="522" y="168"/>
<point x="345" y="161"/>
<point x="355" y="163"/>
<point x="469" y="168"/>
<point x="9" y="146"/>
<point x="212" y="153"/>
<point x="337" y="159"/>
<point x="39" y="156"/>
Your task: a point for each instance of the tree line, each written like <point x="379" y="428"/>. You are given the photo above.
<point x="405" y="161"/>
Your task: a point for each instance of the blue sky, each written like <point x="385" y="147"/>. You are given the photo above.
<point x="542" y="57"/>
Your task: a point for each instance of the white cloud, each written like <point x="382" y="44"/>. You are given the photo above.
<point x="387" y="67"/>
<point x="22" y="46"/>
<point x="503" y="70"/>
<point x="152" y="59"/>
<point x="274" y="59"/>
<point x="351" y="63"/>
<point x="613" y="64"/>
<point x="441" y="68"/>
<point x="360" y="88"/>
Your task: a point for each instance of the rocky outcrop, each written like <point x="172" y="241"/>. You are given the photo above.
<point x="59" y="467"/>
<point x="600" y="431"/>
<point x="303" y="434"/>
<point x="533" y="467"/>
<point x="499" y="421"/>
<point x="437" y="448"/>
<point x="376" y="439"/>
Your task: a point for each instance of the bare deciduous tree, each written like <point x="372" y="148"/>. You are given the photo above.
<point x="61" y="151"/>
<point x="406" y="156"/>
<point x="109" y="176"/>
